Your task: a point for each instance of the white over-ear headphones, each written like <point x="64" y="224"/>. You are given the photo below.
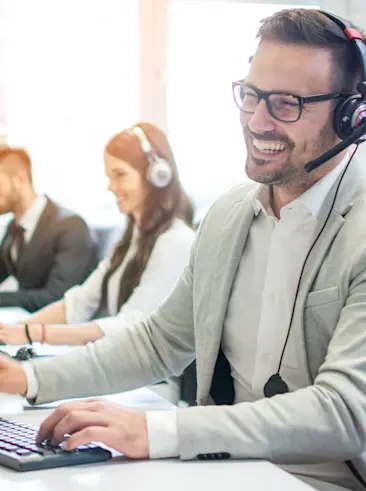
<point x="159" y="172"/>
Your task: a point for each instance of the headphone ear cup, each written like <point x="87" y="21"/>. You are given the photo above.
<point x="348" y="116"/>
<point x="159" y="172"/>
<point x="342" y="118"/>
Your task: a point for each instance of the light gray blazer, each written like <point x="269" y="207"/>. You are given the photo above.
<point x="324" y="421"/>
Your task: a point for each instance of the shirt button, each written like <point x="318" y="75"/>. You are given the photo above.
<point x="265" y="358"/>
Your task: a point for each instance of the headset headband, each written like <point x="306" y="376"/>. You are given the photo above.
<point x="144" y="142"/>
<point x="354" y="35"/>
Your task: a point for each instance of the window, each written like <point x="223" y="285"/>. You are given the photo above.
<point x="208" y="47"/>
<point x="72" y="82"/>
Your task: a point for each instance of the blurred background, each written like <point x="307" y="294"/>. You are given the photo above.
<point x="74" y="72"/>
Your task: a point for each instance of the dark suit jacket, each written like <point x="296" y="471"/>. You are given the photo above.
<point x="60" y="254"/>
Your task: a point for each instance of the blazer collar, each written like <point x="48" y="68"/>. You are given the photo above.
<point x="39" y="236"/>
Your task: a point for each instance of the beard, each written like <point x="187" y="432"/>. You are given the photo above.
<point x="6" y="205"/>
<point x="291" y="170"/>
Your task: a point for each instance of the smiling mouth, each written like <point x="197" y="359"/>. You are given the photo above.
<point x="269" y="147"/>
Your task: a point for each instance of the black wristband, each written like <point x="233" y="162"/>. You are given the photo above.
<point x="27" y="334"/>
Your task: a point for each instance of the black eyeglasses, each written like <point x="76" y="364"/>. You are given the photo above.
<point x="282" y="106"/>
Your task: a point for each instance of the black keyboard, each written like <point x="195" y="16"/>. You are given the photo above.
<point x="19" y="451"/>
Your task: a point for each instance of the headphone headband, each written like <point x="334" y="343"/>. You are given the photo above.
<point x="144" y="142"/>
<point x="354" y="35"/>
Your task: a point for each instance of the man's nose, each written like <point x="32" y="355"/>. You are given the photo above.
<point x="261" y="120"/>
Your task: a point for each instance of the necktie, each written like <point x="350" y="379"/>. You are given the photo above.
<point x="15" y="246"/>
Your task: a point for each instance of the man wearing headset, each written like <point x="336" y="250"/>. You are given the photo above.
<point x="273" y="302"/>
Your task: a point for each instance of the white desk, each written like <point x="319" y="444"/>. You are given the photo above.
<point x="12" y="315"/>
<point x="14" y="404"/>
<point x="164" y="475"/>
<point x="121" y="473"/>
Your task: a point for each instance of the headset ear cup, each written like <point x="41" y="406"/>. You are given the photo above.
<point x="342" y="118"/>
<point x="348" y="115"/>
<point x="159" y="173"/>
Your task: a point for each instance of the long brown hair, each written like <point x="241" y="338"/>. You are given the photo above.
<point x="162" y="205"/>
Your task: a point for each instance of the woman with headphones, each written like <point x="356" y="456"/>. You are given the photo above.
<point x="128" y="285"/>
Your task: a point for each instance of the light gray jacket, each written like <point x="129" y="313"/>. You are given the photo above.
<point x="324" y="421"/>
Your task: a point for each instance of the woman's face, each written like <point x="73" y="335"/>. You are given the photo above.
<point x="128" y="186"/>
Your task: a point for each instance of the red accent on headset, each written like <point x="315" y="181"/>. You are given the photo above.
<point x="353" y="33"/>
<point x="363" y="114"/>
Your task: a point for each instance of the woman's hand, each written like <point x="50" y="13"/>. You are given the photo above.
<point x="99" y="421"/>
<point x="12" y="334"/>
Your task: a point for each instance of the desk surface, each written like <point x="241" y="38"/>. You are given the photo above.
<point x="159" y="475"/>
<point x="163" y="475"/>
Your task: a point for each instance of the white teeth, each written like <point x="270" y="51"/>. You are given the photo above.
<point x="267" y="146"/>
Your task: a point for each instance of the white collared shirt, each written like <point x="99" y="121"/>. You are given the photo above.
<point x="82" y="301"/>
<point x="167" y="259"/>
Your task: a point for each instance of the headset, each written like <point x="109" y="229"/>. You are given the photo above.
<point x="159" y="172"/>
<point x="350" y="125"/>
<point x="350" y="113"/>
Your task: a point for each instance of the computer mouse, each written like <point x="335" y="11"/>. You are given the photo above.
<point x="24" y="354"/>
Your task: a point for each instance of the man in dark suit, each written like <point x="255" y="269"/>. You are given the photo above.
<point x="46" y="249"/>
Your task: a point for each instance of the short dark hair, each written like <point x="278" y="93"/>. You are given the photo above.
<point x="21" y="155"/>
<point x="311" y="27"/>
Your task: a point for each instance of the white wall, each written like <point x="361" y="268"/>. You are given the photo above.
<point x="353" y="10"/>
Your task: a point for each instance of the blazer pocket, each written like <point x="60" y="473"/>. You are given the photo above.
<point x="321" y="297"/>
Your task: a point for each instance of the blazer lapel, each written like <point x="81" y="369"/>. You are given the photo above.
<point x="223" y="271"/>
<point x="5" y="248"/>
<point x="330" y="222"/>
<point x="39" y="236"/>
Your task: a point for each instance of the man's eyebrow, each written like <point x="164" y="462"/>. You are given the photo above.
<point x="249" y="84"/>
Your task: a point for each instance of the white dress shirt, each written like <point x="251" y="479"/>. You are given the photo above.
<point x="29" y="222"/>
<point x="168" y="257"/>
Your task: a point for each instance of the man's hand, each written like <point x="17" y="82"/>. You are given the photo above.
<point x="99" y="421"/>
<point x="12" y="376"/>
<point x="12" y="334"/>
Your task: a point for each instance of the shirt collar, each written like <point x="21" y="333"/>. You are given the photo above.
<point x="135" y="234"/>
<point x="312" y="199"/>
<point x="31" y="217"/>
<point x="261" y="200"/>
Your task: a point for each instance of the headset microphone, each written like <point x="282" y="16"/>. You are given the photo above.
<point x="356" y="135"/>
